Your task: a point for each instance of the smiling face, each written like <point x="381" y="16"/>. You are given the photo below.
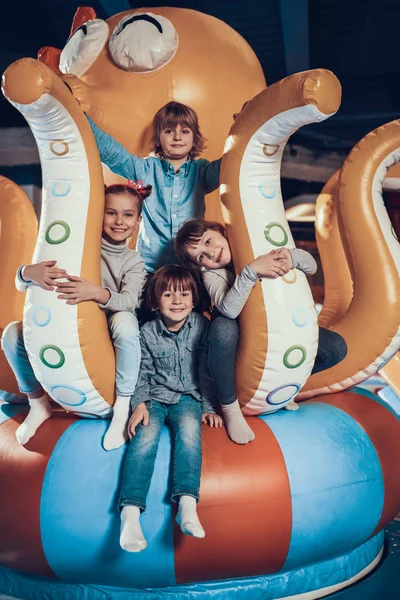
<point x="175" y="307"/>
<point x="176" y="142"/>
<point x="211" y="252"/>
<point x="121" y="217"/>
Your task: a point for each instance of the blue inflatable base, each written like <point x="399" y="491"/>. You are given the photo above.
<point x="310" y="582"/>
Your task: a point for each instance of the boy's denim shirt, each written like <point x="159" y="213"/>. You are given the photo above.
<point x="175" y="197"/>
<point x="173" y="364"/>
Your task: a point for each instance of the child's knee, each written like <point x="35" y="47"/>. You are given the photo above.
<point x="340" y="348"/>
<point x="224" y="329"/>
<point x="12" y="334"/>
<point x="332" y="346"/>
<point x="190" y="430"/>
<point x="124" y="324"/>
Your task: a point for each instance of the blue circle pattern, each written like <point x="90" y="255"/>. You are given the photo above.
<point x="271" y="190"/>
<point x="81" y="395"/>
<point x="281" y="387"/>
<point x="65" y="187"/>
<point x="41" y="322"/>
<point x="300" y="316"/>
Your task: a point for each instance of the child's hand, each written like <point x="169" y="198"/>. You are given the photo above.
<point x="139" y="414"/>
<point x="44" y="274"/>
<point x="284" y="257"/>
<point x="212" y="419"/>
<point x="77" y="290"/>
<point x="271" y="265"/>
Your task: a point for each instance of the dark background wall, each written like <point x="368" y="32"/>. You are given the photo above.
<point x="356" y="39"/>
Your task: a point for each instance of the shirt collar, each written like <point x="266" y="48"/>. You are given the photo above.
<point x="170" y="169"/>
<point x="162" y="330"/>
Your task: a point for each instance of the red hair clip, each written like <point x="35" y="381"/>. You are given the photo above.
<point x="142" y="190"/>
<point x="137" y="186"/>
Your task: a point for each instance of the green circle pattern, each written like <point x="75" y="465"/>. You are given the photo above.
<point x="290" y="365"/>
<point x="270" y="239"/>
<point x="59" y="352"/>
<point x="67" y="232"/>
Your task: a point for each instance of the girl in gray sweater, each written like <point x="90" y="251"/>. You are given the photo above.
<point x="205" y="244"/>
<point x="122" y="278"/>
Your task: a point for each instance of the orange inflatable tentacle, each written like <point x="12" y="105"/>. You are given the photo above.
<point x="24" y="82"/>
<point x="322" y="90"/>
<point x="338" y="283"/>
<point x="391" y="373"/>
<point x="338" y="286"/>
<point x="18" y="231"/>
<point x="371" y="324"/>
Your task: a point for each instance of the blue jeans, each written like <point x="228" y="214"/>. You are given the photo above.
<point x="13" y="346"/>
<point x="331" y="350"/>
<point x="223" y="336"/>
<point x="124" y="331"/>
<point x="185" y="421"/>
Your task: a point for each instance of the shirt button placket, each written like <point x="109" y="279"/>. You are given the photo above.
<point x="174" y="204"/>
<point x="180" y="362"/>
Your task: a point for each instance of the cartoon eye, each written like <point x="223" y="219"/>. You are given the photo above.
<point x="143" y="42"/>
<point x="83" y="47"/>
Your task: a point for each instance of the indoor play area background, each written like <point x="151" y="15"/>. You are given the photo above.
<point x="355" y="40"/>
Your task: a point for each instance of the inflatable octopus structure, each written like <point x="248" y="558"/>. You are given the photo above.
<point x="300" y="511"/>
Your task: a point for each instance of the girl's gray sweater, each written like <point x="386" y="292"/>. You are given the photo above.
<point x="122" y="274"/>
<point x="229" y="293"/>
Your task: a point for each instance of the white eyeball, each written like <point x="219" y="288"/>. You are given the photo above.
<point x="83" y="47"/>
<point x="143" y="42"/>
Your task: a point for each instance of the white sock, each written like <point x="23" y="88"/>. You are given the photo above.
<point x="131" y="538"/>
<point x="117" y="433"/>
<point x="187" y="517"/>
<point x="40" y="410"/>
<point x="292" y="405"/>
<point x="238" y="429"/>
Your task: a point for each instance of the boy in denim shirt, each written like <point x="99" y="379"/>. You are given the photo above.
<point x="173" y="367"/>
<point x="179" y="179"/>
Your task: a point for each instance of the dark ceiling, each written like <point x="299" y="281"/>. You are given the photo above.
<point x="357" y="39"/>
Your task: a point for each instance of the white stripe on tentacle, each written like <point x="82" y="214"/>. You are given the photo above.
<point x="291" y="315"/>
<point x="393" y="245"/>
<point x="50" y="325"/>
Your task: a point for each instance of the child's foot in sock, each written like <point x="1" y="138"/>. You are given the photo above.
<point x="131" y="538"/>
<point x="238" y="429"/>
<point x="117" y="433"/>
<point x="292" y="405"/>
<point x="187" y="517"/>
<point x="40" y="410"/>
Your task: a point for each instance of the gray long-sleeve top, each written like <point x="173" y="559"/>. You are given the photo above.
<point x="229" y="293"/>
<point x="173" y="364"/>
<point x="122" y="274"/>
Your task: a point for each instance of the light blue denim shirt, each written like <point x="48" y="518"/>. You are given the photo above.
<point x="175" y="197"/>
<point x="173" y="364"/>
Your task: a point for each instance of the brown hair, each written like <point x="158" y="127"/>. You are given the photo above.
<point x="170" y="277"/>
<point x="171" y="115"/>
<point x="139" y="194"/>
<point x="190" y="234"/>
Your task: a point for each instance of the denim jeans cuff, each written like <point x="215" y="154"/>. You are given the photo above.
<point x="32" y="391"/>
<point x="137" y="503"/>
<point x="177" y="494"/>
<point x="230" y="400"/>
<point x="125" y="394"/>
